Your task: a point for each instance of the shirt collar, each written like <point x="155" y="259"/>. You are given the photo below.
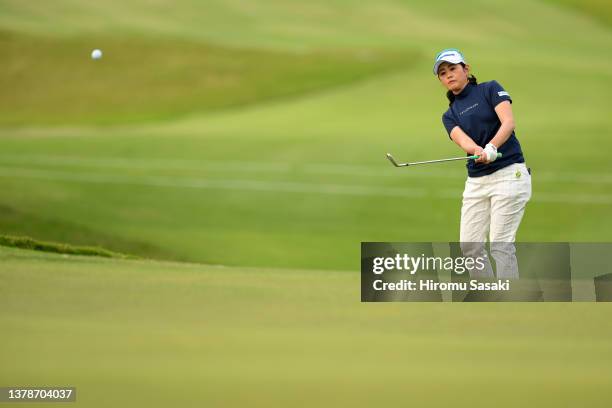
<point x="466" y="91"/>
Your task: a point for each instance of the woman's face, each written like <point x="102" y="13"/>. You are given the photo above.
<point x="453" y="76"/>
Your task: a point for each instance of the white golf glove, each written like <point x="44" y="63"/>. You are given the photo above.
<point x="490" y="152"/>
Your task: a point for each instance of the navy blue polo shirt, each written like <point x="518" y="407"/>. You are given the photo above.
<point x="473" y="110"/>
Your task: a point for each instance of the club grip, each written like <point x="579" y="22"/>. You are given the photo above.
<point x="476" y="156"/>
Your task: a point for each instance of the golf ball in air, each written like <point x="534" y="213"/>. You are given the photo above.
<point x="96" y="54"/>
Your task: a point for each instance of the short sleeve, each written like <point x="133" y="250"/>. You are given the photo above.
<point x="449" y="121"/>
<point x="497" y="94"/>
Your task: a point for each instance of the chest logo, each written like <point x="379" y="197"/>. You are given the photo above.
<point x="518" y="174"/>
<point x="468" y="109"/>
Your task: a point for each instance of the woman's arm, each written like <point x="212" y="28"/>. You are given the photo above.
<point x="465" y="142"/>
<point x="504" y="113"/>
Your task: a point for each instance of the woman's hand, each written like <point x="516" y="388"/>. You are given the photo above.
<point x="479" y="151"/>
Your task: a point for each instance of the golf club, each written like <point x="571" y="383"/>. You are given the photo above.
<point x="396" y="164"/>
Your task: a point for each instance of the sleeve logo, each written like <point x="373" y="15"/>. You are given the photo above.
<point x="503" y="93"/>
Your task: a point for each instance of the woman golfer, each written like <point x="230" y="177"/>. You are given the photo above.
<point x="480" y="121"/>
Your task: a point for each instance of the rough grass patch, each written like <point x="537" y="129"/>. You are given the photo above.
<point x="55" y="81"/>
<point x="59" y="248"/>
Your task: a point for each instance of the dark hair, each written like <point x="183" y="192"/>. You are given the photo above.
<point x="471" y="80"/>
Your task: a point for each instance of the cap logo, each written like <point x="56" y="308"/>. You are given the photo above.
<point x="447" y="54"/>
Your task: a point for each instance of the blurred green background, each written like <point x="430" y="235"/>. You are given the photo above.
<point x="252" y="135"/>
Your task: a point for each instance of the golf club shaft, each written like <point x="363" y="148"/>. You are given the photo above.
<point x="442" y="160"/>
<point x="473" y="157"/>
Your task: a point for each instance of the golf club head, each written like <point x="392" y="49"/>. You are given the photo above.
<point x="396" y="164"/>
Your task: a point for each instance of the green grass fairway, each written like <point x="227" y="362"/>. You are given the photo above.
<point x="143" y="333"/>
<point x="238" y="149"/>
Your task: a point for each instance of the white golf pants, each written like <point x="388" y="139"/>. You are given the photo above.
<point x="494" y="205"/>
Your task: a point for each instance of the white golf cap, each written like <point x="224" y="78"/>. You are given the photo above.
<point x="450" y="55"/>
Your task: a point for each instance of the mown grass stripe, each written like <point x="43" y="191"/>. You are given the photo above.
<point x="279" y="186"/>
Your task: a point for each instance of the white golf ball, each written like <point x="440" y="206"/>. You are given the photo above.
<point x="96" y="54"/>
